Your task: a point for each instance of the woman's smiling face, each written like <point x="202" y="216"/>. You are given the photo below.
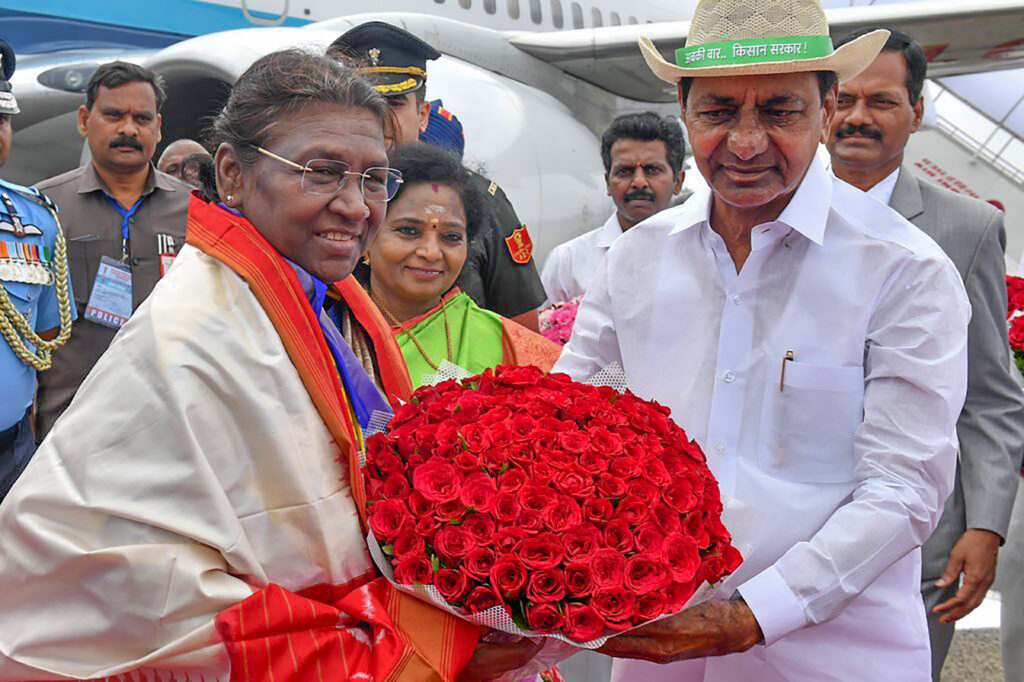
<point x="421" y="247"/>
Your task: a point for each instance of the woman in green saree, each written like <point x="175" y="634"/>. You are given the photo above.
<point x="411" y="268"/>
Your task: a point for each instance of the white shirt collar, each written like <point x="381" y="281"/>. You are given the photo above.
<point x="807" y="211"/>
<point x="883" y="190"/>
<point x="610" y="231"/>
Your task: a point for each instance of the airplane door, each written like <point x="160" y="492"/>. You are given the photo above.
<point x="270" y="12"/>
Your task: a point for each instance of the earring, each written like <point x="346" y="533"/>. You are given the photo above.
<point x="366" y="259"/>
<point x="230" y="198"/>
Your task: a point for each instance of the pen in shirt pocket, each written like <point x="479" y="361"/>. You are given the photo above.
<point x="788" y="357"/>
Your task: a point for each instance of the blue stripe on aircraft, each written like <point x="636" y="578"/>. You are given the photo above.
<point x="39" y="26"/>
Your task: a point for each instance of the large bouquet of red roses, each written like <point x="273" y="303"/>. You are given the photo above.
<point x="538" y="505"/>
<point x="1015" y="317"/>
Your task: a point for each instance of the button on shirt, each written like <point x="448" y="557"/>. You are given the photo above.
<point x="571" y="266"/>
<point x="93" y="229"/>
<point x="37" y="302"/>
<point x="843" y="472"/>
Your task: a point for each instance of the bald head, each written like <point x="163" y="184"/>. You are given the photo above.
<point x="170" y="160"/>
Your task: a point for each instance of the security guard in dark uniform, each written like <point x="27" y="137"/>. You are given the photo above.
<point x="499" y="273"/>
<point x="35" y="296"/>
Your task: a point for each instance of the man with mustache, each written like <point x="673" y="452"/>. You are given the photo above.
<point x="643" y="166"/>
<point x="876" y="114"/>
<point x="811" y="340"/>
<point x="124" y="222"/>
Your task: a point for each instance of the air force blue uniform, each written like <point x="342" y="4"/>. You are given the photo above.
<point x="28" y="235"/>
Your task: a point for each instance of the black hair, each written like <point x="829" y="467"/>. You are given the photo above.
<point x="646" y="125"/>
<point x="280" y="84"/>
<point x="205" y="171"/>
<point x="115" y="74"/>
<point x="826" y="81"/>
<point x="913" y="53"/>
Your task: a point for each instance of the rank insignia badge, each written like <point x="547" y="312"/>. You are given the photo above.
<point x="520" y="246"/>
<point x="11" y="221"/>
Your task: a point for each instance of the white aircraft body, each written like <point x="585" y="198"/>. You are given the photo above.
<point x="533" y="81"/>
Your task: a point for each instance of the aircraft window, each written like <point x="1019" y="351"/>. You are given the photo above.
<point x="556" y="13"/>
<point x="490" y="6"/>
<point x="440" y="2"/>
<point x="632" y="20"/>
<point x="615" y="19"/>
<point x="465" y="4"/>
<point x="595" y="17"/>
<point x="535" y="13"/>
<point x="513" y="9"/>
<point x="577" y="15"/>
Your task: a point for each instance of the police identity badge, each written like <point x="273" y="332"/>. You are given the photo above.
<point x="110" y="303"/>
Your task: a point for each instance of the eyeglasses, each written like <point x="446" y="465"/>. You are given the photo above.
<point x="327" y="177"/>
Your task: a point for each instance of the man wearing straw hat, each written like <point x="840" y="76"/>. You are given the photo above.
<point x="811" y="340"/>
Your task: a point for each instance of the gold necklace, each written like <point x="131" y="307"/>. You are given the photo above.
<point x="416" y="342"/>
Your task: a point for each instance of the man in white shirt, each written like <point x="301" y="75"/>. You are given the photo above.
<point x="876" y="114"/>
<point x="811" y="340"/>
<point x="643" y="166"/>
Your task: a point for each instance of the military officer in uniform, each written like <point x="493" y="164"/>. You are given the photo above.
<point x="499" y="273"/>
<point x="35" y="295"/>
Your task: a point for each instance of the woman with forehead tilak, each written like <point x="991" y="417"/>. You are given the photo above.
<point x="411" y="267"/>
<point x="194" y="513"/>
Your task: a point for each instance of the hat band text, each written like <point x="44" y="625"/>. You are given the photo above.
<point x="753" y="51"/>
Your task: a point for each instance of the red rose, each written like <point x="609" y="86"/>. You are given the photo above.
<point x="414" y="570"/>
<point x="505" y="508"/>
<point x="679" y="496"/>
<point x="546" y="585"/>
<point x="508" y="576"/>
<point x="615" y="606"/>
<point x="511" y="481"/>
<point x="644" y="491"/>
<point x="666" y="518"/>
<point x="467" y="462"/>
<point x="581" y="542"/>
<point x="593" y="463"/>
<point x="611" y="486"/>
<point x="625" y="467"/>
<point x="522" y="427"/>
<point x="732" y="558"/>
<point x="605" y="442"/>
<point x="645" y="573"/>
<point x="475" y="437"/>
<point x="618" y="536"/>
<point x="480" y="599"/>
<point x="681" y="556"/>
<point x="655" y="472"/>
<point x="478" y="491"/>
<point x="574" y="441"/>
<point x="508" y="539"/>
<point x="437" y="481"/>
<point x="396" y="485"/>
<point x="562" y="515"/>
<point x="427" y="528"/>
<point x="609" y="567"/>
<point x="712" y="568"/>
<point x="579" y="579"/>
<point x="541" y="551"/>
<point x="404" y="414"/>
<point x="582" y="623"/>
<point x="530" y="521"/>
<point x="407" y="543"/>
<point x="677" y="594"/>
<point x="468" y="408"/>
<point x="543" y="617"/>
<point x="542" y="473"/>
<point x="535" y="497"/>
<point x="576" y="482"/>
<point x="527" y="375"/>
<point x="453" y="543"/>
<point x="648" y="607"/>
<point x="478" y="563"/>
<point x="693" y="527"/>
<point x="633" y="511"/>
<point x="450" y="511"/>
<point x="388" y="518"/>
<point x="494" y="417"/>
<point x="674" y="464"/>
<point x="649" y="538"/>
<point x="480" y="526"/>
<point x="597" y="510"/>
<point x="388" y="463"/>
<point x="452" y="585"/>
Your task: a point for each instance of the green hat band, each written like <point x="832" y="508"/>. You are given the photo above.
<point x="754" y="51"/>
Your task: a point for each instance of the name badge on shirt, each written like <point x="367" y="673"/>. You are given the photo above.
<point x="166" y="248"/>
<point x="110" y="303"/>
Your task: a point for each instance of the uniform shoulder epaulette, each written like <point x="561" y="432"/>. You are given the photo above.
<point x="30" y="193"/>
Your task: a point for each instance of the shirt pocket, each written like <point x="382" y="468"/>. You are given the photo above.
<point x="807" y="428"/>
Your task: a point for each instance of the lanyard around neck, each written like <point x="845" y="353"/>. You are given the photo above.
<point x="126" y="219"/>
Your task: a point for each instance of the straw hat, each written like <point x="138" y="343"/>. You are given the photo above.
<point x="753" y="37"/>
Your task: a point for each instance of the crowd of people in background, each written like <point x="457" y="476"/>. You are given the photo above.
<point x="444" y="271"/>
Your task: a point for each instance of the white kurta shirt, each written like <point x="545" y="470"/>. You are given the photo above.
<point x="848" y="465"/>
<point x="571" y="266"/>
